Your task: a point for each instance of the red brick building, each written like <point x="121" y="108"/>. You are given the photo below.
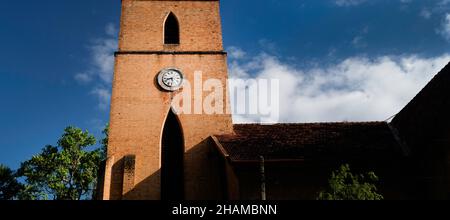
<point x="156" y="154"/>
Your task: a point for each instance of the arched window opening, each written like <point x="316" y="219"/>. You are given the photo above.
<point x="172" y="160"/>
<point x="171" y="30"/>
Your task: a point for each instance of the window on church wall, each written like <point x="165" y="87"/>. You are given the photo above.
<point x="171" y="30"/>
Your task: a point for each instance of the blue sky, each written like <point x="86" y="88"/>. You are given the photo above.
<point x="352" y="60"/>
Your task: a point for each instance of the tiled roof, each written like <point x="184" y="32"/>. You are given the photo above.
<point x="310" y="141"/>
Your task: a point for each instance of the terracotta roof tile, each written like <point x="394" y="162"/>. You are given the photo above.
<point x="310" y="141"/>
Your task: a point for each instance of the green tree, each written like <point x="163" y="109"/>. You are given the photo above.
<point x="344" y="185"/>
<point x="64" y="172"/>
<point x="9" y="186"/>
<point x="104" y="142"/>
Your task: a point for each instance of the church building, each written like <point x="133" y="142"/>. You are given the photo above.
<point x="157" y="153"/>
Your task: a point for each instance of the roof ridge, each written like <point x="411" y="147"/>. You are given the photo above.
<point x="422" y="91"/>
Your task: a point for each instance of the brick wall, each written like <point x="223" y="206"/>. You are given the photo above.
<point x="143" y="24"/>
<point x="139" y="108"/>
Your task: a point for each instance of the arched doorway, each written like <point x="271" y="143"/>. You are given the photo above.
<point x="172" y="160"/>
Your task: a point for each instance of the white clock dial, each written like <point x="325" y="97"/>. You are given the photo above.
<point x="170" y="79"/>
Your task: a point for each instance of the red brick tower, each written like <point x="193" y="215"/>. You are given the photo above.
<point x="153" y="153"/>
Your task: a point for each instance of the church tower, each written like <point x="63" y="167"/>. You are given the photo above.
<point x="155" y="151"/>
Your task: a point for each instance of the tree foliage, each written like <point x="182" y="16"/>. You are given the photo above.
<point x="104" y="142"/>
<point x="343" y="185"/>
<point x="64" y="172"/>
<point x="9" y="186"/>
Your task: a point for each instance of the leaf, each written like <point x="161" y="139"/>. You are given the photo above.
<point x="66" y="172"/>
<point x="343" y="185"/>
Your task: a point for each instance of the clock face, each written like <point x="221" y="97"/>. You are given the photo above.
<point x="170" y="79"/>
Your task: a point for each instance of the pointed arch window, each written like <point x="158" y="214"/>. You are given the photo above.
<point x="171" y="30"/>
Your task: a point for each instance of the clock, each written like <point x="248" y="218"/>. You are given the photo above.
<point x="170" y="79"/>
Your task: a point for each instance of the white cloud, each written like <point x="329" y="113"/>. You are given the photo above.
<point x="356" y="89"/>
<point x="444" y="2"/>
<point x="425" y="13"/>
<point x="83" y="78"/>
<point x="349" y="2"/>
<point x="445" y="29"/>
<point x="103" y="58"/>
<point x="104" y="97"/>
<point x="101" y="67"/>
<point x="236" y="53"/>
<point x="111" y="30"/>
<point x="359" y="41"/>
